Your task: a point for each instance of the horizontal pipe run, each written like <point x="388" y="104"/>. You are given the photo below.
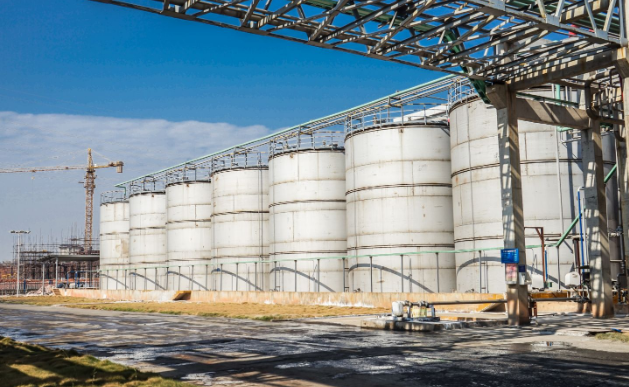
<point x="560" y="299"/>
<point x="470" y="302"/>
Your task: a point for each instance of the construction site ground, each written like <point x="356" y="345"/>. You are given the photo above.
<point x="557" y="350"/>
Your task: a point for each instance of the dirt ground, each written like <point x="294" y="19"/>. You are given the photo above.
<point x="264" y="312"/>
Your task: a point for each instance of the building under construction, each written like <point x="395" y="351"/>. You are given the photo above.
<point x="50" y="264"/>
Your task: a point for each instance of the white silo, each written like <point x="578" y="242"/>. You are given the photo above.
<point x="477" y="201"/>
<point x="240" y="228"/>
<point x="147" y="241"/>
<point x="114" y="244"/>
<point x="189" y="234"/>
<point x="399" y="200"/>
<point x="307" y="219"/>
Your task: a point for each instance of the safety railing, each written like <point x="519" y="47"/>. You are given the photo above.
<point x="323" y="139"/>
<point x="113" y="197"/>
<point x="420" y="113"/>
<point x="189" y="173"/>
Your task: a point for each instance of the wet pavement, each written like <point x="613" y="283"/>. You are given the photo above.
<point x="216" y="351"/>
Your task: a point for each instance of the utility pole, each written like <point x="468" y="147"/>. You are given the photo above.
<point x="19" y="243"/>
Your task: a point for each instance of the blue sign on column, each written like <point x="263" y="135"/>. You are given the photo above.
<point x="509" y="256"/>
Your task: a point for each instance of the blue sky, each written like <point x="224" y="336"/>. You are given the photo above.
<point x="152" y="91"/>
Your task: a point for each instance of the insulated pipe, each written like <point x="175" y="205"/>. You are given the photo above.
<point x="468" y="302"/>
<point x="580" y="228"/>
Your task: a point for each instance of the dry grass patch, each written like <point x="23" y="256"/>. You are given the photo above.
<point x="33" y="365"/>
<point x="614" y="336"/>
<point x="232" y="310"/>
<point x="264" y="312"/>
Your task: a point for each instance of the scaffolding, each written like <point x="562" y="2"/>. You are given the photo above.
<point x="41" y="268"/>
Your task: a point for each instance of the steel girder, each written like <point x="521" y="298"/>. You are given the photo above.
<point x="490" y="40"/>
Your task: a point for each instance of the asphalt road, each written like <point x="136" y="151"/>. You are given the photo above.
<point x="215" y="351"/>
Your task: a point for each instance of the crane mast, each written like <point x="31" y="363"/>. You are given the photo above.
<point x="90" y="186"/>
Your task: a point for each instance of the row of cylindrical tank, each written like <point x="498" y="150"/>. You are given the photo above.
<point x="332" y="219"/>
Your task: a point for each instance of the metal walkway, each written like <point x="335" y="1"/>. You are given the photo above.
<point x="490" y="40"/>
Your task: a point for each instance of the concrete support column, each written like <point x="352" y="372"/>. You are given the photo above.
<point x="623" y="185"/>
<point x="511" y="197"/>
<point x="595" y="215"/>
<point x="622" y="65"/>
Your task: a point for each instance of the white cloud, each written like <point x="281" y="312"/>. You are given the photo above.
<point x="48" y="201"/>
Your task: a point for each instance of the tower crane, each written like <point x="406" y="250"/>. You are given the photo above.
<point x="89" y="183"/>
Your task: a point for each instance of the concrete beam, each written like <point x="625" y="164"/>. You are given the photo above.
<point x="551" y="114"/>
<point x="595" y="216"/>
<point x="550" y="73"/>
<point x="511" y="197"/>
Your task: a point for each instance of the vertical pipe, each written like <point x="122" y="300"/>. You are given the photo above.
<point x="221" y="278"/>
<point x="438" y="279"/>
<point x="410" y="274"/>
<point x="318" y="275"/>
<point x="343" y="259"/>
<point x="580" y="228"/>
<point x="255" y="276"/>
<point x="558" y="269"/>
<point x="557" y="89"/>
<point x="236" y="276"/>
<point x="402" y="273"/>
<point x="156" y="281"/>
<point x="125" y="280"/>
<point x="371" y="273"/>
<point x="295" y="275"/>
<point x="192" y="278"/>
<point x="480" y="272"/>
<point x="206" y="288"/>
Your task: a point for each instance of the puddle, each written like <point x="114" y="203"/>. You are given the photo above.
<point x="550" y="344"/>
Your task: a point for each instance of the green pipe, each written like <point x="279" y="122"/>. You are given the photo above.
<point x="441" y="79"/>
<point x="574" y="222"/>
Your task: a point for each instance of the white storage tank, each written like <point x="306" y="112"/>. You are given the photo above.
<point x="240" y="228"/>
<point x="189" y="234"/>
<point x="399" y="200"/>
<point x="477" y="202"/>
<point x="307" y="219"/>
<point x="114" y="244"/>
<point x="147" y="241"/>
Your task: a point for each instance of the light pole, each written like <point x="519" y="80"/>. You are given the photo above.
<point x="19" y="243"/>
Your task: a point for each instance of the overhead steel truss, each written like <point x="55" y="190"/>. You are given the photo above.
<point x="489" y="40"/>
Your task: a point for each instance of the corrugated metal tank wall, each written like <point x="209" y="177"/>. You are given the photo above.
<point x="399" y="199"/>
<point x="307" y="219"/>
<point x="477" y="201"/>
<point x="189" y="234"/>
<point x="147" y="240"/>
<point x="114" y="244"/>
<point x="240" y="228"/>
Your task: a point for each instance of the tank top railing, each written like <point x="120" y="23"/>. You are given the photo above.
<point x="306" y="141"/>
<point x="420" y="113"/>
<point x="116" y="196"/>
<point x="189" y="173"/>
